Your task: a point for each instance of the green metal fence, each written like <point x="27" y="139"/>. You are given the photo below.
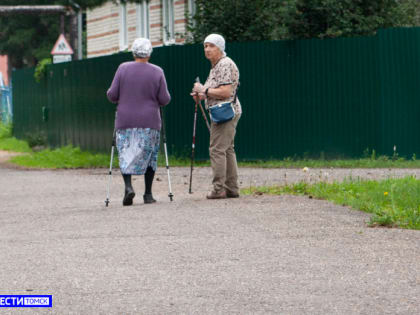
<point x="338" y="96"/>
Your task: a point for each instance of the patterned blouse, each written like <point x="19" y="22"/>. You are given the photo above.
<point x="223" y="73"/>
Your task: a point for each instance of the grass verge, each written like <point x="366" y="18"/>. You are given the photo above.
<point x="70" y="157"/>
<point x="9" y="143"/>
<point x="380" y="162"/>
<point x="393" y="202"/>
<point x="62" y="158"/>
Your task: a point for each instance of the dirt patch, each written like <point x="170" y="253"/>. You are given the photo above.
<point x="6" y="155"/>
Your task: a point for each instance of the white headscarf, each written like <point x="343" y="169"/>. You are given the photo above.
<point x="142" y="48"/>
<point x="217" y="40"/>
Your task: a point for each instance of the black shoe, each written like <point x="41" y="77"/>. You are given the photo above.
<point x="148" y="198"/>
<point x="230" y="194"/>
<point x="128" y="197"/>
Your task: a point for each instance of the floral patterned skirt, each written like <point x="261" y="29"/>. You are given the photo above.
<point x="137" y="149"/>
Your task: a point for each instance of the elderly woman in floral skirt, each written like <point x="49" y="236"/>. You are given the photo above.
<point x="140" y="89"/>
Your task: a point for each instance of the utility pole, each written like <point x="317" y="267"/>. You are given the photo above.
<point x="77" y="24"/>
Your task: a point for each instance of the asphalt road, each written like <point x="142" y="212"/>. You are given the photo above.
<point x="252" y="255"/>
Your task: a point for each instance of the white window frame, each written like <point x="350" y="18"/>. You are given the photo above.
<point x="142" y="19"/>
<point x="123" y="34"/>
<point x="192" y="8"/>
<point x="168" y="25"/>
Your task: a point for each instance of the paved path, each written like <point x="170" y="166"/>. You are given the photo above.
<point x="252" y="255"/>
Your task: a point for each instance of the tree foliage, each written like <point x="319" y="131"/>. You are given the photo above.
<point x="295" y="19"/>
<point x="25" y="38"/>
<point x="237" y="20"/>
<point x="333" y="18"/>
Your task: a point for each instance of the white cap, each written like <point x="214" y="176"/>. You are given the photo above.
<point x="217" y="40"/>
<point x="141" y="48"/>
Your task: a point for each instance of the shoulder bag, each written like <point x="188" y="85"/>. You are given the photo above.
<point x="223" y="112"/>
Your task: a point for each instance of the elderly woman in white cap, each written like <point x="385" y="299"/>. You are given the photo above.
<point x="220" y="87"/>
<point x="140" y="89"/>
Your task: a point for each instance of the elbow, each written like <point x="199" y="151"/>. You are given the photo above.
<point x="111" y="97"/>
<point x="166" y="101"/>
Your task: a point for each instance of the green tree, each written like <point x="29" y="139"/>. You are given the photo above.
<point x="24" y="38"/>
<point x="296" y="19"/>
<point x="333" y="18"/>
<point x="236" y="20"/>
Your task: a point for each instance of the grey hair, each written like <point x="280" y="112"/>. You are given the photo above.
<point x="141" y="48"/>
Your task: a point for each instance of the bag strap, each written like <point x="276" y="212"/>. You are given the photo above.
<point x="236" y="92"/>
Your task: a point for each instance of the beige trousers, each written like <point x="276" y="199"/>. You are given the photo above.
<point x="223" y="157"/>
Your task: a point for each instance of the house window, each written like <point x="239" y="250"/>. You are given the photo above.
<point x="142" y="27"/>
<point x="168" y="22"/>
<point x="191" y="7"/>
<point x="123" y="26"/>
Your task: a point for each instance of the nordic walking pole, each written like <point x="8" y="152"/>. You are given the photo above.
<point x="201" y="107"/>
<point x="205" y="117"/>
<point x="193" y="141"/>
<point x="170" y="195"/>
<point x="110" y="165"/>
